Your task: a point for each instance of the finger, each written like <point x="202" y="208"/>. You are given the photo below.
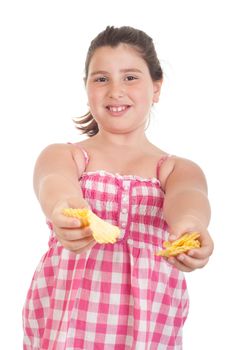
<point x="199" y="253"/>
<point x="77" y="245"/>
<point x="190" y="262"/>
<point x="176" y="232"/>
<point x="174" y="262"/>
<point x="206" y="240"/>
<point x="73" y="234"/>
<point x="68" y="222"/>
<point x="173" y="235"/>
<point x="178" y="264"/>
<point x="204" y="251"/>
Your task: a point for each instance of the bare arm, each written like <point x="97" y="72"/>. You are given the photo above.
<point x="186" y="208"/>
<point x="56" y="178"/>
<point x="186" y="196"/>
<point x="56" y="186"/>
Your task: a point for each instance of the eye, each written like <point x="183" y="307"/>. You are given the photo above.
<point x="130" y="77"/>
<point x="101" y="79"/>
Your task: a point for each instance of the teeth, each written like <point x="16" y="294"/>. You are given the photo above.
<point x="117" y="109"/>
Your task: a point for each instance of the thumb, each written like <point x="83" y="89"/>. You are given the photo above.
<point x="176" y="232"/>
<point x="173" y="236"/>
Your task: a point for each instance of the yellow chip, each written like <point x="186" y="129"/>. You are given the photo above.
<point x="103" y="232"/>
<point x="81" y="214"/>
<point x="183" y="244"/>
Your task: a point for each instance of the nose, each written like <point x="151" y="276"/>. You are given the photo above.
<point x="116" y="90"/>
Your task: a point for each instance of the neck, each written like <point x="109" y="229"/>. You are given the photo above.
<point x="131" y="140"/>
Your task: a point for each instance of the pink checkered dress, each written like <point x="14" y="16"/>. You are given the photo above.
<point x="114" y="296"/>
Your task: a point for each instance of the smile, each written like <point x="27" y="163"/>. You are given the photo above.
<point x="117" y="109"/>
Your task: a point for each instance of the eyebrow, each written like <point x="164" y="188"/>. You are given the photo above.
<point x="136" y="70"/>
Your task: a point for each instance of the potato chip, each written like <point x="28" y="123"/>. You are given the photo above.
<point x="103" y="232"/>
<point x="183" y="244"/>
<point x="81" y="214"/>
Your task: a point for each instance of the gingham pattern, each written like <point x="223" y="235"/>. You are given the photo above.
<point x="119" y="296"/>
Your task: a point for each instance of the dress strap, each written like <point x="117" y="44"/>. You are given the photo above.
<point x="86" y="156"/>
<point x="160" y="163"/>
<point x="84" y="152"/>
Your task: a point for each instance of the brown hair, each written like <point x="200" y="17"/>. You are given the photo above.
<point x="112" y="36"/>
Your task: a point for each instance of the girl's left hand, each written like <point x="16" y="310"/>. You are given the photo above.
<point x="194" y="258"/>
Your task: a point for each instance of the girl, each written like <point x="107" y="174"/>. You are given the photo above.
<point x="86" y="295"/>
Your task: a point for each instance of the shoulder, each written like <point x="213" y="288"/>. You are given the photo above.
<point x="176" y="171"/>
<point x="57" y="149"/>
<point x="73" y="148"/>
<point x="63" y="153"/>
<point x="53" y="150"/>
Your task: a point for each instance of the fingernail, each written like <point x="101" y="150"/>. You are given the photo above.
<point x="171" y="260"/>
<point x="180" y="257"/>
<point x="190" y="253"/>
<point x="76" y="223"/>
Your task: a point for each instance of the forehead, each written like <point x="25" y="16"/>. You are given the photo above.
<point x="112" y="58"/>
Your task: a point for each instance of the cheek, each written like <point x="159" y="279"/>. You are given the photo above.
<point x="144" y="93"/>
<point x="145" y="101"/>
<point x="93" y="97"/>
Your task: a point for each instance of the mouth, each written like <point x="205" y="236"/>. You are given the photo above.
<point x="117" y="110"/>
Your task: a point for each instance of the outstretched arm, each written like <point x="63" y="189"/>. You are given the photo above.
<point x="57" y="187"/>
<point x="186" y="209"/>
<point x="56" y="177"/>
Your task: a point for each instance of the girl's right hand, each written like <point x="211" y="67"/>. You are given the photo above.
<point x="69" y="231"/>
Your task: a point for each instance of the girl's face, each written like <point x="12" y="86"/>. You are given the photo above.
<point x="120" y="89"/>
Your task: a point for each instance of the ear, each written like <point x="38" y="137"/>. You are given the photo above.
<point x="156" y="90"/>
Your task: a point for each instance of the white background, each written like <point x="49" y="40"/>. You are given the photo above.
<point x="43" y="48"/>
